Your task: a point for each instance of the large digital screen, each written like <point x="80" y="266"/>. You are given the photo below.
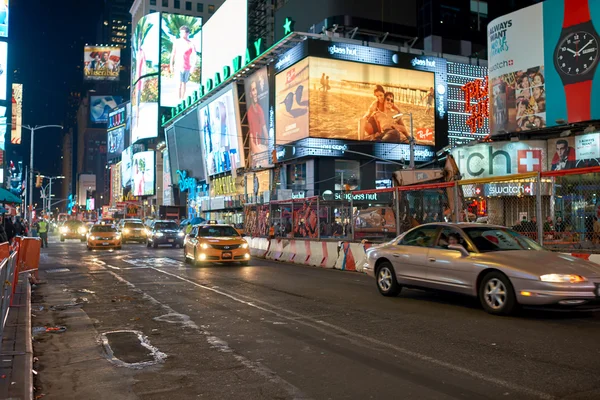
<point x="101" y="106"/>
<point x="185" y="147"/>
<point x="224" y="37"/>
<point x="3" y="128"/>
<point x="261" y="132"/>
<point x="126" y="159"/>
<point x="180" y="55"/>
<point x="221" y="132"/>
<point x="145" y="52"/>
<point x="355" y="101"/>
<point x="144" y="109"/>
<point x="4" y="7"/>
<point x="17" y="113"/>
<point x="292" y="103"/>
<point x="101" y="63"/>
<point x="543" y="66"/>
<point x="143" y="173"/>
<point x="3" y="69"/>
<point x="119" y="122"/>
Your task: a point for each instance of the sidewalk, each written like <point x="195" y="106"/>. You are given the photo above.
<point x="16" y="354"/>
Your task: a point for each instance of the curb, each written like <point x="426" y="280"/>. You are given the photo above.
<point x="28" y="373"/>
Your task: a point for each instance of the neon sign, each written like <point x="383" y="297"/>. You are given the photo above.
<point x="477" y="103"/>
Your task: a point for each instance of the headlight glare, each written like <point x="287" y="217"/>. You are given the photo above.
<point x="181" y="234"/>
<point x="159" y="234"/>
<point x="204" y="245"/>
<point x="562" y="278"/>
<point x="244" y="245"/>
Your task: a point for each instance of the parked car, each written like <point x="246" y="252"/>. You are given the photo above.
<point x="501" y="267"/>
<point x="164" y="232"/>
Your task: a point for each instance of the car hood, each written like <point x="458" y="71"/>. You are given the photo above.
<point x="103" y="234"/>
<point x="542" y="262"/>
<point x="224" y="240"/>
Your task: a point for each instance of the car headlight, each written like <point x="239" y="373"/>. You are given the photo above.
<point x="125" y="230"/>
<point x="159" y="234"/>
<point x="82" y="230"/>
<point x="92" y="237"/>
<point x="181" y="234"/>
<point x="204" y="245"/>
<point x="64" y="229"/>
<point x="118" y="236"/>
<point x="244" y="245"/>
<point x="562" y="278"/>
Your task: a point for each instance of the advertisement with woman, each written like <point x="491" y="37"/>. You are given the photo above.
<point x="221" y="132"/>
<point x="180" y="47"/>
<point x="145" y="50"/>
<point x="143" y="173"/>
<point x="261" y="134"/>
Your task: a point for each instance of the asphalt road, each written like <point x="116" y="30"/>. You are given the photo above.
<point x="273" y="331"/>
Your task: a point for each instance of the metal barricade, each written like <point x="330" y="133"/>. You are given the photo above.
<point x="7" y="275"/>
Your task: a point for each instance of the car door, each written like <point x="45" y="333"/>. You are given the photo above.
<point x="409" y="255"/>
<point x="191" y="242"/>
<point x="449" y="269"/>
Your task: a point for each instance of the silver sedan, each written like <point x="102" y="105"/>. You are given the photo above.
<point x="501" y="267"/>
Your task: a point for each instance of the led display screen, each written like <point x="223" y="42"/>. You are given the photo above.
<point x="143" y="173"/>
<point x="101" y="63"/>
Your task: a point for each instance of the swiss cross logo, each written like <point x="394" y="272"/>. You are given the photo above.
<point x="529" y="161"/>
<point x="527" y="189"/>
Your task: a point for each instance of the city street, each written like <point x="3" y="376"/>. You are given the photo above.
<point x="273" y="330"/>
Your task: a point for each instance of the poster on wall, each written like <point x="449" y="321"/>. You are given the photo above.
<point x="117" y="128"/>
<point x="145" y="51"/>
<point x="180" y="48"/>
<point x="101" y="106"/>
<point x="356" y="101"/>
<point x="101" y="63"/>
<point x="144" y="109"/>
<point x="542" y="62"/>
<point x="261" y="132"/>
<point x="292" y="103"/>
<point x="17" y="113"/>
<point x="4" y="7"/>
<point x="574" y="152"/>
<point x="166" y="181"/>
<point x="184" y="143"/>
<point x="221" y="132"/>
<point x="143" y="173"/>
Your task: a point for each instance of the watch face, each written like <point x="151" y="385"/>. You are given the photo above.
<point x="577" y="54"/>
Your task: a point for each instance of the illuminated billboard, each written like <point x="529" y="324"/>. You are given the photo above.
<point x="185" y="147"/>
<point x="145" y="54"/>
<point x="17" y="113"/>
<point x="101" y="106"/>
<point x="261" y="121"/>
<point x="542" y="63"/>
<point x="292" y="103"/>
<point x="101" y="63"/>
<point x="180" y="48"/>
<point x="224" y="37"/>
<point x="144" y="109"/>
<point x="119" y="124"/>
<point x="355" y="101"/>
<point x="4" y="7"/>
<point x="143" y="173"/>
<point x="3" y="69"/>
<point x="3" y="128"/>
<point x="221" y="132"/>
<point x="126" y="158"/>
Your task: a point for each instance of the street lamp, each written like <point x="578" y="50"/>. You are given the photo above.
<point x="411" y="141"/>
<point x="30" y="187"/>
<point x="48" y="204"/>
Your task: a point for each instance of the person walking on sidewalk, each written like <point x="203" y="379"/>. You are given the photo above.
<point x="43" y="231"/>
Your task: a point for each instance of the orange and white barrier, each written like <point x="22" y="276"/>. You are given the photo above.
<point x="303" y="252"/>
<point x="595" y="258"/>
<point x="259" y="247"/>
<point x="352" y="257"/>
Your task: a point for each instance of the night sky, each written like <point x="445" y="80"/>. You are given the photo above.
<point x="46" y="40"/>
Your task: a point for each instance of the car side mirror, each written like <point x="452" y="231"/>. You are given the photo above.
<point x="460" y="249"/>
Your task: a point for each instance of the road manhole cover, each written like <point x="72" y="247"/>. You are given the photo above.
<point x="128" y="348"/>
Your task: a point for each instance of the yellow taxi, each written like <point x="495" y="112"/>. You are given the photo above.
<point x="103" y="236"/>
<point x="218" y="243"/>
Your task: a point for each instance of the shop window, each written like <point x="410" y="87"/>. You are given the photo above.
<point x="211" y="9"/>
<point x="383" y="174"/>
<point x="200" y="7"/>
<point x="296" y="176"/>
<point x="347" y="175"/>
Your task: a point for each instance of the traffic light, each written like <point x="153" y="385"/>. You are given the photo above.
<point x="38" y="181"/>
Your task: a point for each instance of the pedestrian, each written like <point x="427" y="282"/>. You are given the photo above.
<point x="43" y="231"/>
<point x="34" y="228"/>
<point x="3" y="236"/>
<point x="10" y="230"/>
<point x="19" y="227"/>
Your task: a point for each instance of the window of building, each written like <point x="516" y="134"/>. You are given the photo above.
<point x="211" y="9"/>
<point x="383" y="174"/>
<point x="296" y="176"/>
<point x="177" y="4"/>
<point x="481" y="7"/>
<point x="188" y="6"/>
<point x="200" y="7"/>
<point x="152" y="2"/>
<point x="347" y="175"/>
<point x="165" y="3"/>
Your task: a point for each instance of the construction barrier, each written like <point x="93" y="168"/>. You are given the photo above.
<point x="352" y="257"/>
<point x="302" y="252"/>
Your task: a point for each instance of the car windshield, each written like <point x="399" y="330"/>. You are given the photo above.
<point x="103" y="228"/>
<point x="498" y="239"/>
<point x="165" y="225"/>
<point x="134" y="225"/>
<point x="217" y="231"/>
<point x="73" y="224"/>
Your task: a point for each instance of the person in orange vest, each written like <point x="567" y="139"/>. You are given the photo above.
<point x="272" y="231"/>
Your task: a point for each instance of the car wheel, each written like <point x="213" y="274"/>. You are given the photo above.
<point x="386" y="280"/>
<point x="148" y="244"/>
<point x="195" y="261"/>
<point x="155" y="245"/>
<point x="496" y="294"/>
<point x="62" y="239"/>
<point x="174" y="245"/>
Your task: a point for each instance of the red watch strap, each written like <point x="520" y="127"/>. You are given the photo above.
<point x="576" y="12"/>
<point x="578" y="101"/>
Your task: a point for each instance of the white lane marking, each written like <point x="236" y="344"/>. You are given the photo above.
<point x="220" y="344"/>
<point x="347" y="334"/>
<point x="111" y="266"/>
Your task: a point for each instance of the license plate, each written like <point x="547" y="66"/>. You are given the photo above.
<point x="171" y="240"/>
<point x="226" y="255"/>
<point x="105" y="244"/>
